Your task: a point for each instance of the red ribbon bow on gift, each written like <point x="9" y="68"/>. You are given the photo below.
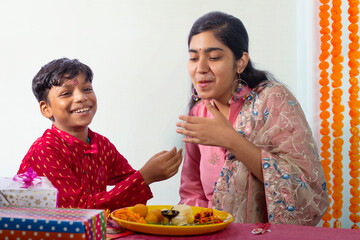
<point x="28" y="178"/>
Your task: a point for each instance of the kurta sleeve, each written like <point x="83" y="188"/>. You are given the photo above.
<point x="85" y="186"/>
<point x="191" y="190"/>
<point x="294" y="182"/>
<point x="130" y="187"/>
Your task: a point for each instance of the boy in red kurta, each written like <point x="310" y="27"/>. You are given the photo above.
<point x="79" y="162"/>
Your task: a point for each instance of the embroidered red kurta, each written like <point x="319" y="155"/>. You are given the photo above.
<point x="81" y="172"/>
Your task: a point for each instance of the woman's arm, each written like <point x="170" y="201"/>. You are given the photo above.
<point x="294" y="182"/>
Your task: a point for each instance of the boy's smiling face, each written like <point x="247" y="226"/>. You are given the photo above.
<point x="72" y="105"/>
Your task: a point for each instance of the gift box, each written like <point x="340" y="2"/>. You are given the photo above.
<point x="51" y="223"/>
<point x="38" y="193"/>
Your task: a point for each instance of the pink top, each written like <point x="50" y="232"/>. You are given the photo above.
<point x="202" y="164"/>
<point x="81" y="172"/>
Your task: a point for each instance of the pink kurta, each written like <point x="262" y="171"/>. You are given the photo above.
<point x="202" y="164"/>
<point x="294" y="189"/>
<point x="81" y="172"/>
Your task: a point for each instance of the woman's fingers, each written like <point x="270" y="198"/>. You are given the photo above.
<point x="191" y="119"/>
<point x="188" y="129"/>
<point x="214" y="111"/>
<point x="191" y="140"/>
<point x="194" y="124"/>
<point x="186" y="132"/>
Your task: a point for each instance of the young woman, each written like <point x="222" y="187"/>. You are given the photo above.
<point x="249" y="148"/>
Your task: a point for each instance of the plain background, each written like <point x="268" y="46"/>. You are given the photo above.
<point x="138" y="52"/>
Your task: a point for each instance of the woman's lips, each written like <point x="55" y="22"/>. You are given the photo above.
<point x="204" y="84"/>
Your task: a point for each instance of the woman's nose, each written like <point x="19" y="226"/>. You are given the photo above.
<point x="203" y="65"/>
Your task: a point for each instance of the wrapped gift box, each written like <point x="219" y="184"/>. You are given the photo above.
<point x="51" y="223"/>
<point x="41" y="194"/>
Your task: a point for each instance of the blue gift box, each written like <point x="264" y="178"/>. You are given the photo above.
<point x="52" y="223"/>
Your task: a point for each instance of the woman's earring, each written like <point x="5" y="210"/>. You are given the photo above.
<point x="195" y="95"/>
<point x="239" y="93"/>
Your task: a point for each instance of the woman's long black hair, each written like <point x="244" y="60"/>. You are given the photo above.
<point x="231" y="32"/>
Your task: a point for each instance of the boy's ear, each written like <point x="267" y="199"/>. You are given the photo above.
<point x="45" y="109"/>
<point x="242" y="63"/>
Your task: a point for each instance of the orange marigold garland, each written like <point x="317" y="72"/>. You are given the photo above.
<point x="354" y="112"/>
<point x="337" y="110"/>
<point x="324" y="99"/>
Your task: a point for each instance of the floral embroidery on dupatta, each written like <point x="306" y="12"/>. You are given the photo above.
<point x="294" y="186"/>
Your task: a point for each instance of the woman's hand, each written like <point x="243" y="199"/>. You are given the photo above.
<point x="206" y="131"/>
<point x="218" y="131"/>
<point x="161" y="166"/>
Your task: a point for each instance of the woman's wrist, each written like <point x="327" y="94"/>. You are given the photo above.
<point x="234" y="141"/>
<point x="247" y="153"/>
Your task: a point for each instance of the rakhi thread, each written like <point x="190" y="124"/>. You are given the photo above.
<point x="354" y="111"/>
<point x="337" y="109"/>
<point x="324" y="99"/>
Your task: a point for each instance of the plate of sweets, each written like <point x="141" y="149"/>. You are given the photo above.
<point x="174" y="220"/>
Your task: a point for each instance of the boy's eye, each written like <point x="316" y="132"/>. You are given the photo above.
<point x="88" y="89"/>
<point x="65" y="93"/>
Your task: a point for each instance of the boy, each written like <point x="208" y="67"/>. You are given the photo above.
<point x="79" y="162"/>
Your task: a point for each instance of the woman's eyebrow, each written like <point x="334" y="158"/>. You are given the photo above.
<point x="213" y="49"/>
<point x="207" y="49"/>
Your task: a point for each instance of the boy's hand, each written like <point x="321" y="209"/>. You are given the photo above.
<point x="161" y="166"/>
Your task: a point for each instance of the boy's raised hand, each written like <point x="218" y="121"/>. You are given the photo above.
<point x="161" y="166"/>
<point x="206" y="131"/>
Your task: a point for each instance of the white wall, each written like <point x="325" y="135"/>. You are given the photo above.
<point x="138" y="52"/>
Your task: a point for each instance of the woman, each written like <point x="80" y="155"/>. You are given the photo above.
<point x="249" y="148"/>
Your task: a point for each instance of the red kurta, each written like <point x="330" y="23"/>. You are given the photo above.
<point x="81" y="171"/>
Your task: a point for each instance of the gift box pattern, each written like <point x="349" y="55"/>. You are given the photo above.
<point x="51" y="223"/>
<point x="43" y="194"/>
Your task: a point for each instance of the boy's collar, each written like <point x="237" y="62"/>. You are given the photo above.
<point x="91" y="148"/>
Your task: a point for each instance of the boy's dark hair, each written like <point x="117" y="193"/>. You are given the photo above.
<point x="55" y="72"/>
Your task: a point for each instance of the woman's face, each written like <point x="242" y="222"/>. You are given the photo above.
<point x="212" y="67"/>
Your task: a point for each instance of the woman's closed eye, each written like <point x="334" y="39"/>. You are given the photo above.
<point x="193" y="56"/>
<point x="214" y="58"/>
